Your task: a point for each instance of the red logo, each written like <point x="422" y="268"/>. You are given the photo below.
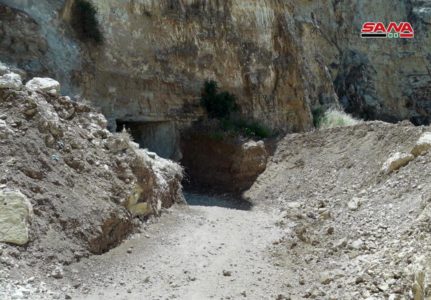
<point x="403" y="30"/>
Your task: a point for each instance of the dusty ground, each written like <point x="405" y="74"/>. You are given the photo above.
<point x="195" y="252"/>
<point x="207" y="252"/>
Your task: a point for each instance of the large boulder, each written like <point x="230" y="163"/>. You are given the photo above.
<point x="396" y="161"/>
<point x="44" y="84"/>
<point x="15" y="213"/>
<point x="10" y="81"/>
<point x="422" y="145"/>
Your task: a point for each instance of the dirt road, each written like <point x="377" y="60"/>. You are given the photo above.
<point x="195" y="252"/>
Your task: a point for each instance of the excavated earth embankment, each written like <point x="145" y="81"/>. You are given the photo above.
<point x="355" y="209"/>
<point x="68" y="187"/>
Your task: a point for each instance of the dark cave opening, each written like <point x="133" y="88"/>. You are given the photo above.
<point x="161" y="137"/>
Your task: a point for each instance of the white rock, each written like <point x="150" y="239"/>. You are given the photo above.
<point x="57" y="273"/>
<point x="340" y="243"/>
<point x="383" y="287"/>
<point x="293" y="205"/>
<point x="354" y="203"/>
<point x="118" y="142"/>
<point x="99" y="119"/>
<point x="10" y="81"/>
<point x="357" y="245"/>
<point x="5" y="131"/>
<point x="15" y="213"/>
<point x="326" y="278"/>
<point x="253" y="144"/>
<point x="396" y="161"/>
<point x="3" y="69"/>
<point x="422" y="145"/>
<point x="44" y="84"/>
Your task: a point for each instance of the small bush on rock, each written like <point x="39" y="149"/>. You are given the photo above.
<point x="85" y="23"/>
<point x="335" y="118"/>
<point x="318" y="114"/>
<point x="221" y="106"/>
<point x="248" y="129"/>
<point x="218" y="105"/>
<point x="259" y="130"/>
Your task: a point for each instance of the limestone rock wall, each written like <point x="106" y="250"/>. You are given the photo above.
<point x="158" y="54"/>
<point x="282" y="58"/>
<point x="34" y="38"/>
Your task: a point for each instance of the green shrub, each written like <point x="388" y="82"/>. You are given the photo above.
<point x="248" y="129"/>
<point x="218" y="105"/>
<point x="84" y="22"/>
<point x="221" y="106"/>
<point x="258" y="130"/>
<point x="318" y="114"/>
<point x="335" y="118"/>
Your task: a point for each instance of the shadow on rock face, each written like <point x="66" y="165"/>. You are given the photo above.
<point x="223" y="165"/>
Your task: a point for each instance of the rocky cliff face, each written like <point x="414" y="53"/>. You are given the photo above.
<point x="282" y="58"/>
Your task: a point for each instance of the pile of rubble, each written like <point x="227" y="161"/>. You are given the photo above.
<point x="69" y="187"/>
<point x="355" y="205"/>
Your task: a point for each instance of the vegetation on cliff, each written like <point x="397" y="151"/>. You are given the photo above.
<point x="219" y="105"/>
<point x="222" y="106"/>
<point x="330" y="118"/>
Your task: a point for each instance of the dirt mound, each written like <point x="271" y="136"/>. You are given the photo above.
<point x="85" y="185"/>
<point x="351" y="230"/>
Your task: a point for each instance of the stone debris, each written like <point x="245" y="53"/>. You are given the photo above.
<point x="396" y="161"/>
<point x="65" y="180"/>
<point x="376" y="238"/>
<point x="15" y="214"/>
<point x="423" y="145"/>
<point x="326" y="278"/>
<point x="47" y="85"/>
<point x="354" y="203"/>
<point x="4" y="69"/>
<point x="357" y="245"/>
<point x="57" y="273"/>
<point x="5" y="130"/>
<point x="10" y="81"/>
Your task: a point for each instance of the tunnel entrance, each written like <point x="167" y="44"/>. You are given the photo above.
<point x="161" y="137"/>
